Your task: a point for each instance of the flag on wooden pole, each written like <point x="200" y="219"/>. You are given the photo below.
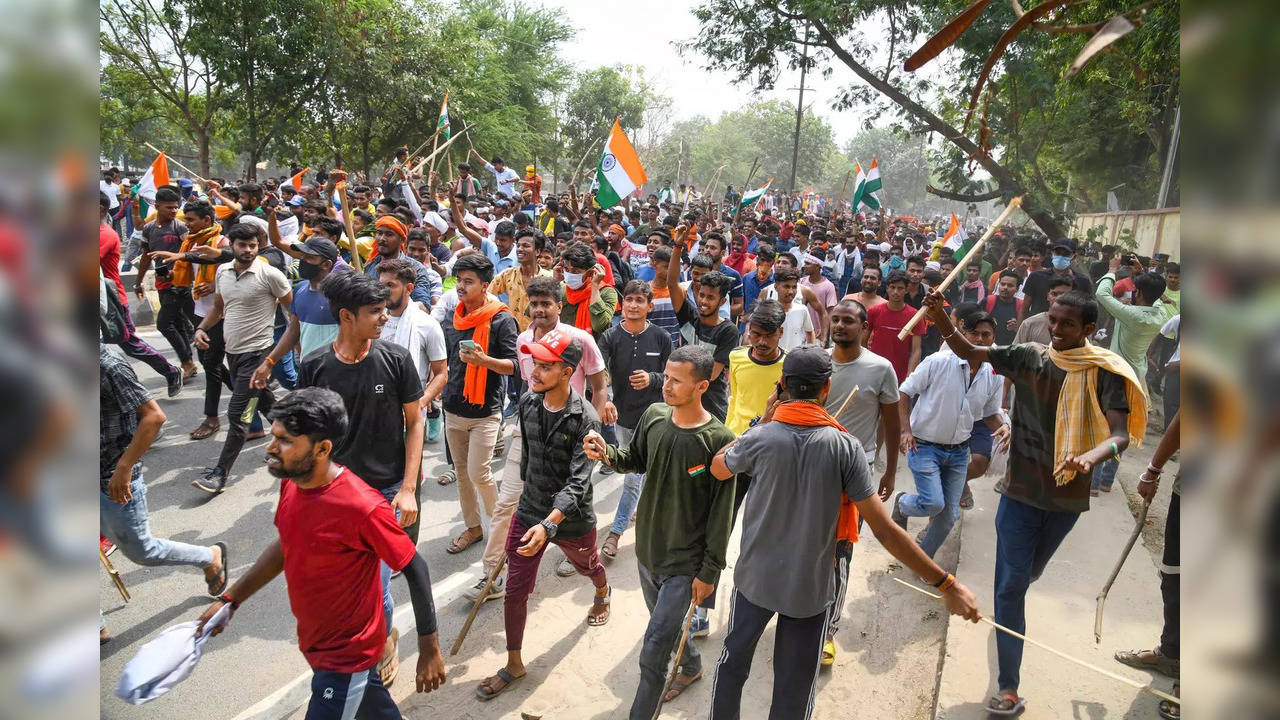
<point x="867" y="189"/>
<point x="156" y="176"/>
<point x="442" y="126"/>
<point x="859" y="184"/>
<point x="619" y="172"/>
<point x="296" y="180"/>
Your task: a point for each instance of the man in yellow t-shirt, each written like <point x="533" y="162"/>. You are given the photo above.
<point x="755" y="368"/>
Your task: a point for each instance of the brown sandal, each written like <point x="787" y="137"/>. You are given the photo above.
<point x="679" y="684"/>
<point x="462" y="542"/>
<point x="206" y="429"/>
<point x="602" y="618"/>
<point x="610" y="548"/>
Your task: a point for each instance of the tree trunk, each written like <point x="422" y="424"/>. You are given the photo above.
<point x="252" y="173"/>
<point x="202" y="150"/>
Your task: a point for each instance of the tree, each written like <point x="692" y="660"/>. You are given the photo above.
<point x="162" y="51"/>
<point x="755" y="38"/>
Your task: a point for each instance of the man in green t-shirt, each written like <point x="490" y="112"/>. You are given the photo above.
<point x="683" y="520"/>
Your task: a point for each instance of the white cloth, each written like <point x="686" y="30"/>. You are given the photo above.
<point x="113" y="193"/>
<point x="420" y="334"/>
<point x="1170" y="330"/>
<point x="433" y="219"/>
<point x="798" y="322"/>
<point x="949" y="404"/>
<point x="288" y="228"/>
<point x="166" y="660"/>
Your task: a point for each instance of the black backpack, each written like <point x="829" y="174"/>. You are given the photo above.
<point x="112" y="328"/>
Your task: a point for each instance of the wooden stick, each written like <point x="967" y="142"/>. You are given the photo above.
<point x="675" y="664"/>
<point x="115" y="574"/>
<point x="737" y="218"/>
<point x="1115" y="572"/>
<point x="436" y="152"/>
<point x="1114" y="676"/>
<point x="356" y="261"/>
<point x="169" y="158"/>
<point x="845" y="404"/>
<point x="840" y="198"/>
<point x="955" y="272"/>
<point x="436" y="137"/>
<point x="484" y="594"/>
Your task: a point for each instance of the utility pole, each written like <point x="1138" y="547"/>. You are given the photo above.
<point x="795" y="143"/>
<point x="1168" y="160"/>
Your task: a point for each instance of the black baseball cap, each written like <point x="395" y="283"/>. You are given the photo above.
<point x="1066" y="244"/>
<point x="808" y="364"/>
<point x="321" y="246"/>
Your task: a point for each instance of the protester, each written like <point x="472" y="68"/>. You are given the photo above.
<point x="311" y="324"/>
<point x="635" y="354"/>
<point x="1005" y="308"/>
<point x="824" y="289"/>
<point x="700" y="323"/>
<point x="245" y="298"/>
<point x="864" y="394"/>
<point x="797" y="327"/>
<point x="390" y="235"/>
<point x="869" y="291"/>
<point x="109" y="264"/>
<point x="128" y="422"/>
<point x="663" y="313"/>
<point x="684" y="518"/>
<point x="334" y="532"/>
<point x="176" y="318"/>
<point x="555" y="504"/>
<point x="544" y="310"/>
<point x="952" y="397"/>
<point x="480" y="336"/>
<point x="886" y="320"/>
<point x="754" y="282"/>
<point x="381" y="389"/>
<point x="1060" y="432"/>
<point x="1036" y="286"/>
<point x="755" y="368"/>
<point x="784" y="567"/>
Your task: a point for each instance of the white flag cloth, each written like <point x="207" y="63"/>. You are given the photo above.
<point x="166" y="660"/>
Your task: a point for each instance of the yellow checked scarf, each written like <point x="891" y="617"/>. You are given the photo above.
<point x="183" y="271"/>
<point x="1081" y="424"/>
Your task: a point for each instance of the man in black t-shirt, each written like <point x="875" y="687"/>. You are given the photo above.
<point x="1036" y="288"/>
<point x="381" y="390"/>
<point x="480" y="338"/>
<point x="701" y="324"/>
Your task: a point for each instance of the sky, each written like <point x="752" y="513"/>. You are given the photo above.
<point x="645" y="37"/>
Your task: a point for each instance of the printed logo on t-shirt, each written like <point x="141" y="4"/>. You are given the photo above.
<point x="697" y="470"/>
<point x="328" y="693"/>
<point x="378" y="388"/>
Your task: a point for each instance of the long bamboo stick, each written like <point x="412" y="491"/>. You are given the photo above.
<point x="169" y="158"/>
<point x="1114" y="676"/>
<point x="955" y="272"/>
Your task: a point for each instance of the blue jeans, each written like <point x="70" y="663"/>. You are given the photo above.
<point x="668" y="600"/>
<point x="631" y="487"/>
<point x="285" y="371"/>
<point x="1104" y="476"/>
<point x="126" y="526"/>
<point x="1026" y="537"/>
<point x="939" y="474"/>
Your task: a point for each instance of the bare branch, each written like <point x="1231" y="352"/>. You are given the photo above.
<point x="963" y="197"/>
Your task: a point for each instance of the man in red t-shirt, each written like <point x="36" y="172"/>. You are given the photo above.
<point x="885" y="321"/>
<point x="335" y="531"/>
<point x="109" y="262"/>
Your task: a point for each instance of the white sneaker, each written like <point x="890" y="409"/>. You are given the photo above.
<point x="497" y="590"/>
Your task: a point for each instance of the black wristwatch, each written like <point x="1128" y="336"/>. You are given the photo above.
<point x="550" y="527"/>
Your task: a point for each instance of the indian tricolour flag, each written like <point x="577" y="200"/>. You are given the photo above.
<point x="749" y="199"/>
<point x="156" y="176"/>
<point x="859" y="180"/>
<point x="442" y="126"/>
<point x="867" y="189"/>
<point x="619" y="172"/>
<point x="957" y="239"/>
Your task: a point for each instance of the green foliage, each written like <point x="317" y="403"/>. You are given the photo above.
<point x="596" y="98"/>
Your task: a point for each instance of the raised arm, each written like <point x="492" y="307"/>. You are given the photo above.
<point x="955" y="340"/>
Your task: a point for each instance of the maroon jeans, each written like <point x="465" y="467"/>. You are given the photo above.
<point x="523" y="571"/>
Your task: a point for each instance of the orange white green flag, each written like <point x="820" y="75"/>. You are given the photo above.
<point x="619" y="172"/>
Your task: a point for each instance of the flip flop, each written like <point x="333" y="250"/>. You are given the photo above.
<point x="485" y="690"/>
<point x="995" y="705"/>
<point x="1161" y="664"/>
<point x="1170" y="710"/>
<point x="218" y="585"/>
<point x="598" y="620"/>
<point x="205" y="429"/>
<point x="828" y="653"/>
<point x="678" y="687"/>
<point x="458" y="545"/>
<point x="448" y="477"/>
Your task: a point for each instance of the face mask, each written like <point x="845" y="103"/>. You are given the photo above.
<point x="307" y="271"/>
<point x="573" y="280"/>
<point x="1061" y="262"/>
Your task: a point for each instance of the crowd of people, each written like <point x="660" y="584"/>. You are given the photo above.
<point x="702" y="351"/>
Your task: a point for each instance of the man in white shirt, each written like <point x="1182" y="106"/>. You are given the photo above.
<point x="952" y="397"/>
<point x="504" y="177"/>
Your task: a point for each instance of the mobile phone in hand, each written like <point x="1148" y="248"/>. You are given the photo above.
<point x="468" y="345"/>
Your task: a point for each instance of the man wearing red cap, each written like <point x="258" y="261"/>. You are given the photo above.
<point x="556" y="504"/>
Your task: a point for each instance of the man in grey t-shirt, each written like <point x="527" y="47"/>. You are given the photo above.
<point x="785" y="565"/>
<point x="854" y="366"/>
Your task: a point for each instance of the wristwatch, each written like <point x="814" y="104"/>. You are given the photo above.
<point x="550" y="527"/>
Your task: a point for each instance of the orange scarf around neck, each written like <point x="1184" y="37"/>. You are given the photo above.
<point x="807" y="414"/>
<point x="478" y="321"/>
<point x="582" y="298"/>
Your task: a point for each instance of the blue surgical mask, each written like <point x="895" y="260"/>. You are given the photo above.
<point x="1061" y="262"/>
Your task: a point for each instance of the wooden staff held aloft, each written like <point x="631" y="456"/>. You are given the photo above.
<point x="356" y="261"/>
<point x="169" y="158"/>
<point x="972" y="254"/>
